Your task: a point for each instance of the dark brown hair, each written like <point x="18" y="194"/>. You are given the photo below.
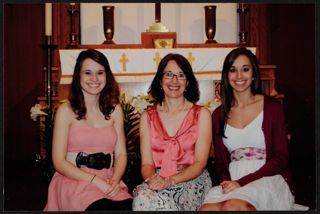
<point x="192" y="90"/>
<point x="226" y="92"/>
<point x="109" y="96"/>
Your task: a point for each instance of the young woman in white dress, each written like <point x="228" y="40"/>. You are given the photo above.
<point x="250" y="142"/>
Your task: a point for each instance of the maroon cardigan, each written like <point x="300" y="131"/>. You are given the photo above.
<point x="274" y="130"/>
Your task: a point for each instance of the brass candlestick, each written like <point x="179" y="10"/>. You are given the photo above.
<point x="243" y="34"/>
<point x="73" y="41"/>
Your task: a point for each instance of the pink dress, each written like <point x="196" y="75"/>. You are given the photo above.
<point x="65" y="194"/>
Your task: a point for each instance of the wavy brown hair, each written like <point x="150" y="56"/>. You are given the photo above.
<point x="109" y="96"/>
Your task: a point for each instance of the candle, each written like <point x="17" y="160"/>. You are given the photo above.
<point x="48" y="19"/>
<point x="72" y="4"/>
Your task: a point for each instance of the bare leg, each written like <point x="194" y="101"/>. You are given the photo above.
<point x="237" y="205"/>
<point x="211" y="207"/>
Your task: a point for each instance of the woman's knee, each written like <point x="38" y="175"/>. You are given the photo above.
<point x="210" y="207"/>
<point x="236" y="205"/>
<point x="141" y="201"/>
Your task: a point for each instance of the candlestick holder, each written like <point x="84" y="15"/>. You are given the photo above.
<point x="210" y="23"/>
<point x="108" y="23"/>
<point x="73" y="40"/>
<point x="47" y="138"/>
<point x="243" y="34"/>
<point x="49" y="93"/>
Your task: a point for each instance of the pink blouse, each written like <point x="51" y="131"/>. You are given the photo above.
<point x="168" y="151"/>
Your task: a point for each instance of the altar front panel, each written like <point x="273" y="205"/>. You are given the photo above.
<point x="140" y="65"/>
<point x="134" y="69"/>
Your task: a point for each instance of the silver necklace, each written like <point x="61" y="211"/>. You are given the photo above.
<point x="185" y="104"/>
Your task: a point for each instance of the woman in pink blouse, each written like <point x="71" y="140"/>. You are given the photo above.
<point x="175" y="137"/>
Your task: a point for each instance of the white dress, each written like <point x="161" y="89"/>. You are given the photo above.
<point x="267" y="193"/>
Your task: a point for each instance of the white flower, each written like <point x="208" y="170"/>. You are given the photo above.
<point x="140" y="103"/>
<point x="211" y="105"/>
<point x="36" y="111"/>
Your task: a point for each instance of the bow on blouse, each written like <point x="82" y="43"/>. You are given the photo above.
<point x="171" y="155"/>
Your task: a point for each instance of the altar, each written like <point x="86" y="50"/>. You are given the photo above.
<point x="135" y="68"/>
<point x="140" y="65"/>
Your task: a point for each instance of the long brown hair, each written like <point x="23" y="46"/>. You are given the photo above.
<point x="226" y="92"/>
<point x="109" y="96"/>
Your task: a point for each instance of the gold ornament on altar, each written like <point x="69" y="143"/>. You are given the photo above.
<point x="157" y="27"/>
<point x="163" y="43"/>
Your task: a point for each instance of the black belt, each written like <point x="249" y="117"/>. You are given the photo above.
<point x="94" y="161"/>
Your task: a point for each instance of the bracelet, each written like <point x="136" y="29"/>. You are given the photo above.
<point x="92" y="178"/>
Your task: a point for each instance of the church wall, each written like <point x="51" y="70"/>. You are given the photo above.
<point x="187" y="19"/>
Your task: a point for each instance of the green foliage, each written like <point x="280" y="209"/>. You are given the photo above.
<point x="132" y="176"/>
<point x="131" y="125"/>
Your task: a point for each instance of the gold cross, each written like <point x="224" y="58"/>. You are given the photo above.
<point x="124" y="61"/>
<point x="157" y="59"/>
<point x="190" y="58"/>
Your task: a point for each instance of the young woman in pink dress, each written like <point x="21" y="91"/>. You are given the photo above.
<point x="175" y="139"/>
<point x="88" y="150"/>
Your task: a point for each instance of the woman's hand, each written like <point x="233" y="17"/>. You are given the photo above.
<point x="228" y="186"/>
<point x="102" y="185"/>
<point x="110" y="187"/>
<point x="157" y="183"/>
<point x="114" y="188"/>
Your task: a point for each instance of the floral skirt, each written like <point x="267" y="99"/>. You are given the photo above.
<point x="185" y="196"/>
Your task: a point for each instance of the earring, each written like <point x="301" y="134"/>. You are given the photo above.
<point x="252" y="78"/>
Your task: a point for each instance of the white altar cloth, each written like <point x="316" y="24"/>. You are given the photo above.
<point x="140" y="65"/>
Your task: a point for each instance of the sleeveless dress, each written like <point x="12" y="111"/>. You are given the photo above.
<point x="247" y="149"/>
<point x="66" y="194"/>
<point x="168" y="152"/>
